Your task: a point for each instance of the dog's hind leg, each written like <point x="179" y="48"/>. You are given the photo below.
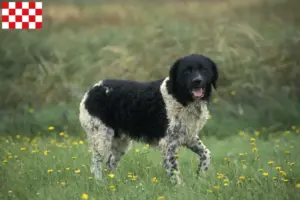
<point x="100" y="143"/>
<point x="99" y="138"/>
<point x="120" y="145"/>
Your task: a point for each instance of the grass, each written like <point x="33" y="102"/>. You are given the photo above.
<point x="243" y="167"/>
<point x="254" y="43"/>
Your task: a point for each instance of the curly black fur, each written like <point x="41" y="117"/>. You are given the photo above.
<point x="138" y="110"/>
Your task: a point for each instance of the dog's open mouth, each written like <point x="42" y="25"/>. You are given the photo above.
<point x="198" y="92"/>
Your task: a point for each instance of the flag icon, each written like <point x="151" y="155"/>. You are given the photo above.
<point x="22" y="15"/>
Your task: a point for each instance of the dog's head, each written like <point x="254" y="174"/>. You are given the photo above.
<point x="191" y="78"/>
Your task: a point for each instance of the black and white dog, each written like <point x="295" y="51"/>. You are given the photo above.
<point x="167" y="113"/>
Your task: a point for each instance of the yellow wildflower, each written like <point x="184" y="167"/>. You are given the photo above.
<point x="22" y="148"/>
<point x="282" y="173"/>
<point x="292" y="163"/>
<point x="111" y="175"/>
<point x="216" y="187"/>
<point x="10" y="191"/>
<point x="257" y="133"/>
<point x="51" y="128"/>
<point x="286" y="152"/>
<point x="67" y="168"/>
<point x="77" y="171"/>
<point x="137" y="150"/>
<point x="61" y="134"/>
<point x="278" y="168"/>
<point x="209" y="191"/>
<point x="90" y="178"/>
<point x="4" y="161"/>
<point x="80" y="142"/>
<point x="161" y="198"/>
<point x="225" y="184"/>
<point x="285" y="180"/>
<point x="271" y="162"/>
<point x="254" y="149"/>
<point x="298" y="185"/>
<point x="133" y="178"/>
<point x="112" y="188"/>
<point x="265" y="174"/>
<point x="84" y="196"/>
<point x="46" y="153"/>
<point x="50" y="170"/>
<point x="220" y="175"/>
<point x="244" y="166"/>
<point x="252" y="139"/>
<point x="225" y="159"/>
<point x="154" y="180"/>
<point x="243" y="160"/>
<point x="242" y="178"/>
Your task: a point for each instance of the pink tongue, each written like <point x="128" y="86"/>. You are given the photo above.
<point x="197" y="92"/>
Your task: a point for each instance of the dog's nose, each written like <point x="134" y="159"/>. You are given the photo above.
<point x="197" y="81"/>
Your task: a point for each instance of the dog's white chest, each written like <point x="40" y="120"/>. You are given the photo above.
<point x="191" y="118"/>
<point x="188" y="120"/>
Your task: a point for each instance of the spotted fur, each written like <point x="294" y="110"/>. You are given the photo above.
<point x="164" y="113"/>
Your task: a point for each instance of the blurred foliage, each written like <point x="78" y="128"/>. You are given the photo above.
<point x="255" y="44"/>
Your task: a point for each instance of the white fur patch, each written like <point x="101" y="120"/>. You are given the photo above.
<point x="192" y="117"/>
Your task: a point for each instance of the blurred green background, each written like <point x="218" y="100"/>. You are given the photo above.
<point x="256" y="44"/>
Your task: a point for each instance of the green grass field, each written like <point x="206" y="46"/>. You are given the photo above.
<point x="253" y="133"/>
<point x="243" y="167"/>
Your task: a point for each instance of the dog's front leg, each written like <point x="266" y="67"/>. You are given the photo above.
<point x="197" y="146"/>
<point x="170" y="154"/>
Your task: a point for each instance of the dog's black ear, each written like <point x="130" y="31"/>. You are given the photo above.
<point x="215" y="74"/>
<point x="173" y="70"/>
<point x="171" y="84"/>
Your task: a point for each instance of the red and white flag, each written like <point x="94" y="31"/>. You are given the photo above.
<point x="22" y="15"/>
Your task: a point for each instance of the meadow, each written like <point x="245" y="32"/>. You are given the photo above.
<point x="253" y="130"/>
<point x="243" y="167"/>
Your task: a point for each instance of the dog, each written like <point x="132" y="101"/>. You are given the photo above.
<point x="166" y="113"/>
